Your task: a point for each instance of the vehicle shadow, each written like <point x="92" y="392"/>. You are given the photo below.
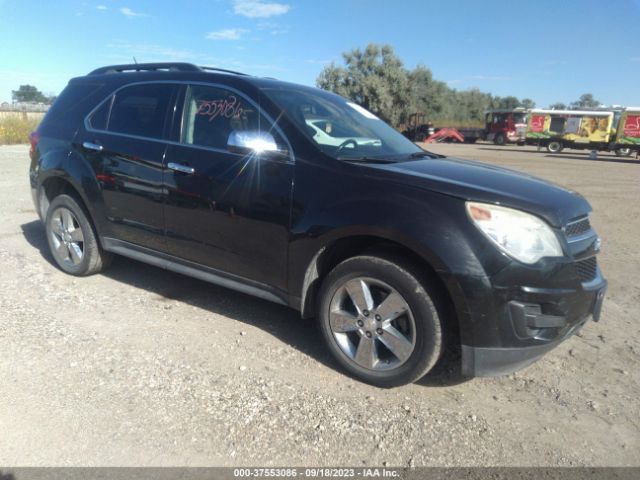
<point x="602" y="157"/>
<point x="278" y="320"/>
<point x="610" y="159"/>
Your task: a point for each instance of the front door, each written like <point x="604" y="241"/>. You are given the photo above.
<point x="228" y="211"/>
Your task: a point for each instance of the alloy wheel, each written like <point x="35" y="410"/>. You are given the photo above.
<point x="66" y="237"/>
<point x="372" y="324"/>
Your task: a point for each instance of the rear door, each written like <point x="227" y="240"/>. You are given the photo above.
<point x="225" y="210"/>
<point x="125" y="141"/>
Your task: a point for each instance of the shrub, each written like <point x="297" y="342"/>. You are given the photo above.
<point x="16" y="129"/>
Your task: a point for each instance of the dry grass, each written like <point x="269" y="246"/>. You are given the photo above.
<point x="16" y="129"/>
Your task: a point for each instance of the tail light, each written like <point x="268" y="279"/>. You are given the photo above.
<point x="34" y="138"/>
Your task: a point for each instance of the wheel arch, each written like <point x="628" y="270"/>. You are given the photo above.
<point x="339" y="249"/>
<point x="68" y="174"/>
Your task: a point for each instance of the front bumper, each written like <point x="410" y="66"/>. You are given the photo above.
<point x="511" y="328"/>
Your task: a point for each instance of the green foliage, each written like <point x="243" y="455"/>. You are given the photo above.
<point x="527" y="103"/>
<point x="376" y="79"/>
<point x="585" y="102"/>
<point x="30" y="94"/>
<point x="373" y="78"/>
<point x="16" y="129"/>
<point x="558" y="106"/>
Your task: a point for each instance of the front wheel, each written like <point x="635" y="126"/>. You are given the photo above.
<point x="499" y="139"/>
<point x="380" y="321"/>
<point x="554" y="147"/>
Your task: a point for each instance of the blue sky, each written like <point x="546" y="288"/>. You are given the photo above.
<point x="545" y="50"/>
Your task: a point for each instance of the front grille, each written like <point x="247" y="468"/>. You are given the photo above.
<point x="587" y="269"/>
<point x="578" y="227"/>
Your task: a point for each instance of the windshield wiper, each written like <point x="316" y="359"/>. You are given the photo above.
<point x="425" y="154"/>
<point x="366" y="160"/>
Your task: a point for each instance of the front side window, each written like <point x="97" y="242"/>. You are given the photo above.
<point x="139" y="110"/>
<point x="339" y="127"/>
<point x="212" y="114"/>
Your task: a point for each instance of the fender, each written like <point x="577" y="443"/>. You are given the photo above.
<point x="70" y="166"/>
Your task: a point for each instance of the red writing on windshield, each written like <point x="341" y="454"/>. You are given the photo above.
<point x="228" y="107"/>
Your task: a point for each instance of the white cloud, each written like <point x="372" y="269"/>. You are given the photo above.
<point x="226" y="34"/>
<point x="101" y="7"/>
<point x="259" y="8"/>
<point x="273" y="28"/>
<point x="127" y="12"/>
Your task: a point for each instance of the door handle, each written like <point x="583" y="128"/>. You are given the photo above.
<point x="178" y="167"/>
<point x="92" y="146"/>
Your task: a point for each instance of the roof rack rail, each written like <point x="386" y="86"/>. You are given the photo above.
<point x="147" y="67"/>
<point x="223" y="70"/>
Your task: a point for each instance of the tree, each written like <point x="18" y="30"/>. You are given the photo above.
<point x="527" y="103"/>
<point x="558" y="106"/>
<point x="374" y="78"/>
<point x="28" y="94"/>
<point x="586" y="101"/>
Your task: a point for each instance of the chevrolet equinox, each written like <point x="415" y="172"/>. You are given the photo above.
<point x="301" y="197"/>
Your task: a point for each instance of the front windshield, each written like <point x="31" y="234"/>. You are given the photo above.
<point x="340" y="128"/>
<point x="519" y="118"/>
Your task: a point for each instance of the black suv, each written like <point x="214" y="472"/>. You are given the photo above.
<point x="301" y="197"/>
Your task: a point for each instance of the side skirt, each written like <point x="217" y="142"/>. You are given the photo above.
<point x="207" y="274"/>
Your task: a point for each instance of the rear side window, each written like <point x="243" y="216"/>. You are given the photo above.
<point x="100" y="117"/>
<point x="139" y="110"/>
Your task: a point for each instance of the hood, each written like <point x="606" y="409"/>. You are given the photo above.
<point x="481" y="182"/>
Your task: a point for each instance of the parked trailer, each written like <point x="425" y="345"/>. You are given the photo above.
<point x="505" y="125"/>
<point x="628" y="130"/>
<point x="578" y="129"/>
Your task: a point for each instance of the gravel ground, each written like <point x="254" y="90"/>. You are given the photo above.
<point x="139" y="366"/>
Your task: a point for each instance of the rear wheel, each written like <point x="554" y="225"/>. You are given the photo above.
<point x="71" y="238"/>
<point x="554" y="147"/>
<point x="379" y="321"/>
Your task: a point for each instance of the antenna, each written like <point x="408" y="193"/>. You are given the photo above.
<point x="135" y="61"/>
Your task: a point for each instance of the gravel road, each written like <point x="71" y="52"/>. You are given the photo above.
<point x="139" y="366"/>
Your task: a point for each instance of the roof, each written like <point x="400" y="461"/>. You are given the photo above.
<point x="506" y="110"/>
<point x="575" y="113"/>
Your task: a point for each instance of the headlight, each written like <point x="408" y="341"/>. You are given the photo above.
<point x="523" y="236"/>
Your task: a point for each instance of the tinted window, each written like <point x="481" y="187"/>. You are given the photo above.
<point x="557" y="124"/>
<point x="211" y="114"/>
<point x="99" y="118"/>
<point x="141" y="110"/>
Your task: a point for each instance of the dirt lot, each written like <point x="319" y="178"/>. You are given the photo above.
<point x="139" y="366"/>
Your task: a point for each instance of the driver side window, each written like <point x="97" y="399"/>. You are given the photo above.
<point x="212" y="114"/>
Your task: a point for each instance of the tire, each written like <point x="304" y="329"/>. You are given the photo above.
<point x="402" y="348"/>
<point x="554" y="147"/>
<point x="72" y="239"/>
<point x="499" y="139"/>
<point x="623" y="152"/>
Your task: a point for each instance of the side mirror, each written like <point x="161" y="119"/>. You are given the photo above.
<point x="250" y="141"/>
